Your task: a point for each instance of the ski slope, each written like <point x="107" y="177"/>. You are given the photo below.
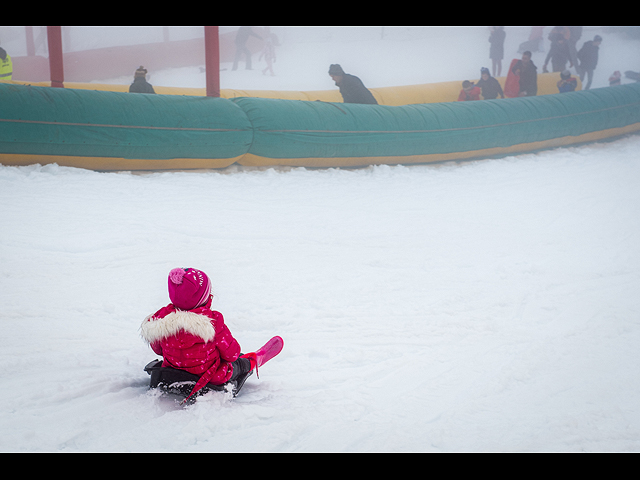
<point x="487" y="306"/>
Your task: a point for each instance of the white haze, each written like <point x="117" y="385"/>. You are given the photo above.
<point x="380" y="56"/>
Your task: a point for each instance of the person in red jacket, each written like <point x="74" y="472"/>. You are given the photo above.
<point x="191" y="336"/>
<point x="469" y="92"/>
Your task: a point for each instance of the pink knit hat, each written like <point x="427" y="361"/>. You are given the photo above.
<point x="188" y="288"/>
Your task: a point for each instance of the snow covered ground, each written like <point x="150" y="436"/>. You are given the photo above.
<point x="483" y="306"/>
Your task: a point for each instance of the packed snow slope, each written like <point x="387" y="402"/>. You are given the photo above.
<point x="482" y="306"/>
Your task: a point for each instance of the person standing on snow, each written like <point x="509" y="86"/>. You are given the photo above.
<point x="496" y="51"/>
<point x="351" y="87"/>
<point x="269" y="51"/>
<point x="574" y="35"/>
<point x="559" y="54"/>
<point x="241" y="46"/>
<point x="588" y="56"/>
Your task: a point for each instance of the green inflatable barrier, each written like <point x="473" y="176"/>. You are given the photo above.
<point x="122" y="131"/>
<point x="111" y="130"/>
<point x="329" y="134"/>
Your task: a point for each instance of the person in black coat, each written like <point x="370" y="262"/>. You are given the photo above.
<point x="588" y="56"/>
<point x="140" y="84"/>
<point x="559" y="54"/>
<point x="490" y="86"/>
<point x="241" y="46"/>
<point x="496" y="51"/>
<point x="528" y="74"/>
<point x="574" y="35"/>
<point x="351" y="87"/>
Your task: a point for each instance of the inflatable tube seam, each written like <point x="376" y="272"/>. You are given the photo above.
<point x="492" y="152"/>
<point x="126" y="127"/>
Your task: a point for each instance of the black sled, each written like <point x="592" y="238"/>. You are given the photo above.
<point x="179" y="382"/>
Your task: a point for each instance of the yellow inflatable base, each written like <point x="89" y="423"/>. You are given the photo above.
<point x="253" y="160"/>
<point x="118" y="164"/>
<point x="395" y="96"/>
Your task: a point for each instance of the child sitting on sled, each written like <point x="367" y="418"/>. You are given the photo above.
<point x="192" y="337"/>
<point x="567" y="83"/>
<point x="469" y="92"/>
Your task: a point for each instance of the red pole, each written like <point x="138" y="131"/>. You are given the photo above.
<point x="212" y="60"/>
<point x="54" y="39"/>
<point x="31" y="46"/>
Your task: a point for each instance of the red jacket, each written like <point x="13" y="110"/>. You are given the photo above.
<point x="473" y="94"/>
<point x="196" y="341"/>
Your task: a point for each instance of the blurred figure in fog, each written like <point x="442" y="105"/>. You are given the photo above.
<point x="140" y="84"/>
<point x="241" y="46"/>
<point x="351" y="87"/>
<point x="496" y="51"/>
<point x="615" y="78"/>
<point x="567" y="83"/>
<point x="558" y="53"/>
<point x="588" y="56"/>
<point x="6" y="65"/>
<point x="528" y="76"/>
<point x="632" y="75"/>
<point x="535" y="41"/>
<point x="574" y="35"/>
<point x="269" y="51"/>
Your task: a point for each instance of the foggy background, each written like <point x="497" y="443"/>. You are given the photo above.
<point x="401" y="55"/>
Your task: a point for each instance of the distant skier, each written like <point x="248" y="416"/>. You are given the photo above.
<point x="140" y="84"/>
<point x="351" y="87"/>
<point x="192" y="337"/>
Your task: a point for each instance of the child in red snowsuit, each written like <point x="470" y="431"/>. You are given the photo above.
<point x="469" y="92"/>
<point x="192" y="337"/>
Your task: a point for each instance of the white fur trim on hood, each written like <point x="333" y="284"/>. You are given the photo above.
<point x="154" y="329"/>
